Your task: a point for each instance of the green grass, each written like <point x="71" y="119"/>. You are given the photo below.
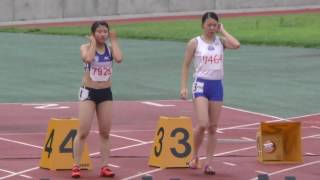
<point x="300" y="30"/>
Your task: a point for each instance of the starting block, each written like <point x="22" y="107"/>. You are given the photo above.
<point x="173" y="143"/>
<point x="279" y="142"/>
<point x="57" y="152"/>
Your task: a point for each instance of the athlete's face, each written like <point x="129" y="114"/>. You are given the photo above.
<point x="210" y="26"/>
<point x="101" y="34"/>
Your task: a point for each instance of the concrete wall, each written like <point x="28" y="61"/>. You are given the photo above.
<point x="246" y="4"/>
<point x="17" y="10"/>
<point x="37" y="9"/>
<point x="6" y="10"/>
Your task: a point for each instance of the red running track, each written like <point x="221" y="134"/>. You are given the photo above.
<point x="23" y="128"/>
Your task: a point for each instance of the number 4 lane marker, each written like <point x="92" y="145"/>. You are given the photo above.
<point x="157" y="104"/>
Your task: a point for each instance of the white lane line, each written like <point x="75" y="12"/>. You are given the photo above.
<point x="159" y="169"/>
<point x="112" y="131"/>
<point x="131" y="139"/>
<point x="261" y="172"/>
<point x="18" y="173"/>
<point x="11" y="172"/>
<point x="20" y="134"/>
<point x="117" y="149"/>
<point x="113" y="165"/>
<point x="19" y="142"/>
<point x="142" y="173"/>
<point x="304" y="116"/>
<point x="251" y="112"/>
<point x="251" y="147"/>
<point x="46" y="106"/>
<point x="135" y="145"/>
<point x="219" y="132"/>
<point x="229" y="164"/>
<point x="92" y="154"/>
<point x="234" y="140"/>
<point x="141" y="130"/>
<point x="253" y="128"/>
<point x="315" y="127"/>
<point x="311" y="136"/>
<point x="248" y="139"/>
<point x="125" y="147"/>
<point x="291" y="168"/>
<point x="157" y="104"/>
<point x="123" y="137"/>
<point x="277" y="120"/>
<point x="229" y="152"/>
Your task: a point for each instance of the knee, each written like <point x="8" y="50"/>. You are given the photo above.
<point x="212" y="128"/>
<point x="83" y="136"/>
<point x="201" y="129"/>
<point x="104" y="134"/>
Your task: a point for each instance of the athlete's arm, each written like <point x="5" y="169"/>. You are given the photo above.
<point x="189" y="53"/>
<point x="88" y="51"/>
<point x="115" y="48"/>
<point x="228" y="40"/>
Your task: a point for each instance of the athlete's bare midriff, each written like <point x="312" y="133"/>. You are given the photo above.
<point x="88" y="82"/>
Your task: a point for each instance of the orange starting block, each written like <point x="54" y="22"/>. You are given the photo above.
<point x="279" y="142"/>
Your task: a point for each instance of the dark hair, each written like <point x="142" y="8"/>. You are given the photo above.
<point x="208" y="15"/>
<point x="96" y="24"/>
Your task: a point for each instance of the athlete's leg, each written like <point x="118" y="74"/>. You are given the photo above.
<point x="86" y="114"/>
<point x="201" y="110"/>
<point x="214" y="115"/>
<point x="104" y="116"/>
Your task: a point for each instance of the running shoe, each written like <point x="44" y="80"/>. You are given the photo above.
<point x="106" y="172"/>
<point x="75" y="172"/>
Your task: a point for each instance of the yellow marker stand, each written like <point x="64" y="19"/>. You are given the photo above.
<point x="173" y="143"/>
<point x="279" y="142"/>
<point x="57" y="151"/>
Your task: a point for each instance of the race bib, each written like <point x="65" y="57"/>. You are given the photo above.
<point x="83" y="94"/>
<point x="214" y="62"/>
<point x="198" y="87"/>
<point x="101" y="73"/>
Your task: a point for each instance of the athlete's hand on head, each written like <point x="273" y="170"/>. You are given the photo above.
<point x="184" y="93"/>
<point x="220" y="28"/>
<point x="91" y="38"/>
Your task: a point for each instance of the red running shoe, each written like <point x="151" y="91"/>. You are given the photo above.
<point x="106" y="172"/>
<point x="75" y="172"/>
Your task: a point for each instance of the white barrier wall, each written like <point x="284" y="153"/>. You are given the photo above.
<point x="17" y="10"/>
<point x="247" y="4"/>
<point x="6" y="10"/>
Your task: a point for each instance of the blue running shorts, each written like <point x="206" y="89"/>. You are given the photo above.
<point x="210" y="89"/>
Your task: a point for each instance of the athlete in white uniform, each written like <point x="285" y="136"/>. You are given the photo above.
<point x="208" y="59"/>
<point x="95" y="94"/>
<point x="206" y="52"/>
